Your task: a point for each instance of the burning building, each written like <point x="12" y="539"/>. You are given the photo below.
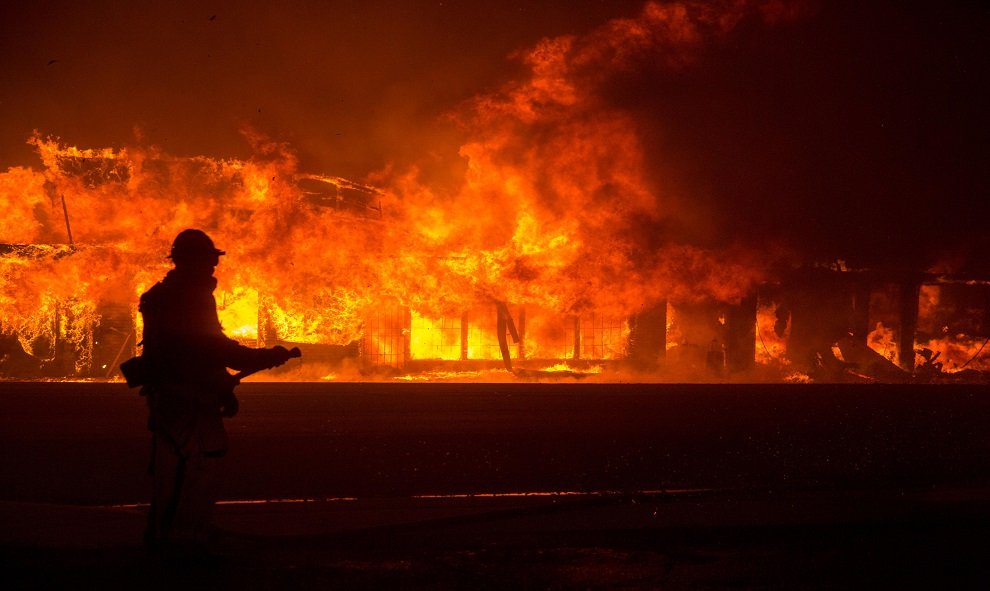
<point x="72" y="287"/>
<point x="320" y="262"/>
<point x="593" y="217"/>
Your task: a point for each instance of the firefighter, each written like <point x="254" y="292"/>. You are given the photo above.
<point x="189" y="391"/>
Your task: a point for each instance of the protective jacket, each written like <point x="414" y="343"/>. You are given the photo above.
<point x="188" y="355"/>
<point x="183" y="338"/>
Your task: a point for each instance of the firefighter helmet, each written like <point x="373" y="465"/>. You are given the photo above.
<point x="192" y="246"/>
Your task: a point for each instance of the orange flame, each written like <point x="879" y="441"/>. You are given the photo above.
<point x="556" y="214"/>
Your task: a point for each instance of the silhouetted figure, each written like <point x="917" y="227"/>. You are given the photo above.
<point x="188" y="390"/>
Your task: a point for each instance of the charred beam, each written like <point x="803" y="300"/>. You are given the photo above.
<point x="68" y="228"/>
<point x="503" y="325"/>
<point x="860" y="322"/>
<point x="909" y="292"/>
<point x="740" y="339"/>
<point x="648" y="336"/>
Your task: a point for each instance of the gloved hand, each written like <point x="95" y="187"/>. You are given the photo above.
<point x="278" y="355"/>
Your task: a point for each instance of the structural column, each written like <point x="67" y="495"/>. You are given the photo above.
<point x="910" y="290"/>
<point x="648" y="336"/>
<point x="740" y="345"/>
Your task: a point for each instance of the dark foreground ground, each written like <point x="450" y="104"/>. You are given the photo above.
<point x="419" y="486"/>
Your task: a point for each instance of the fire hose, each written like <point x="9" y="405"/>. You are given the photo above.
<point x="137" y="372"/>
<point x="294" y="353"/>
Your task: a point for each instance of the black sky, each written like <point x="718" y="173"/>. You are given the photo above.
<point x="336" y="79"/>
<point x="860" y="132"/>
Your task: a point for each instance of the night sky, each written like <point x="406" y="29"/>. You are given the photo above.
<point x="858" y="130"/>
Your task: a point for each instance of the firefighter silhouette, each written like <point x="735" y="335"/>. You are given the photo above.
<point x="184" y="377"/>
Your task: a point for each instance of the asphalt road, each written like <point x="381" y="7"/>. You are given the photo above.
<point x="804" y="486"/>
<point x="85" y="443"/>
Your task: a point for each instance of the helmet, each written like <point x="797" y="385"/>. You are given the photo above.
<point x="193" y="246"/>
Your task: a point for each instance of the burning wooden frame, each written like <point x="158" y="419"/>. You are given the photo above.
<point x="322" y="263"/>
